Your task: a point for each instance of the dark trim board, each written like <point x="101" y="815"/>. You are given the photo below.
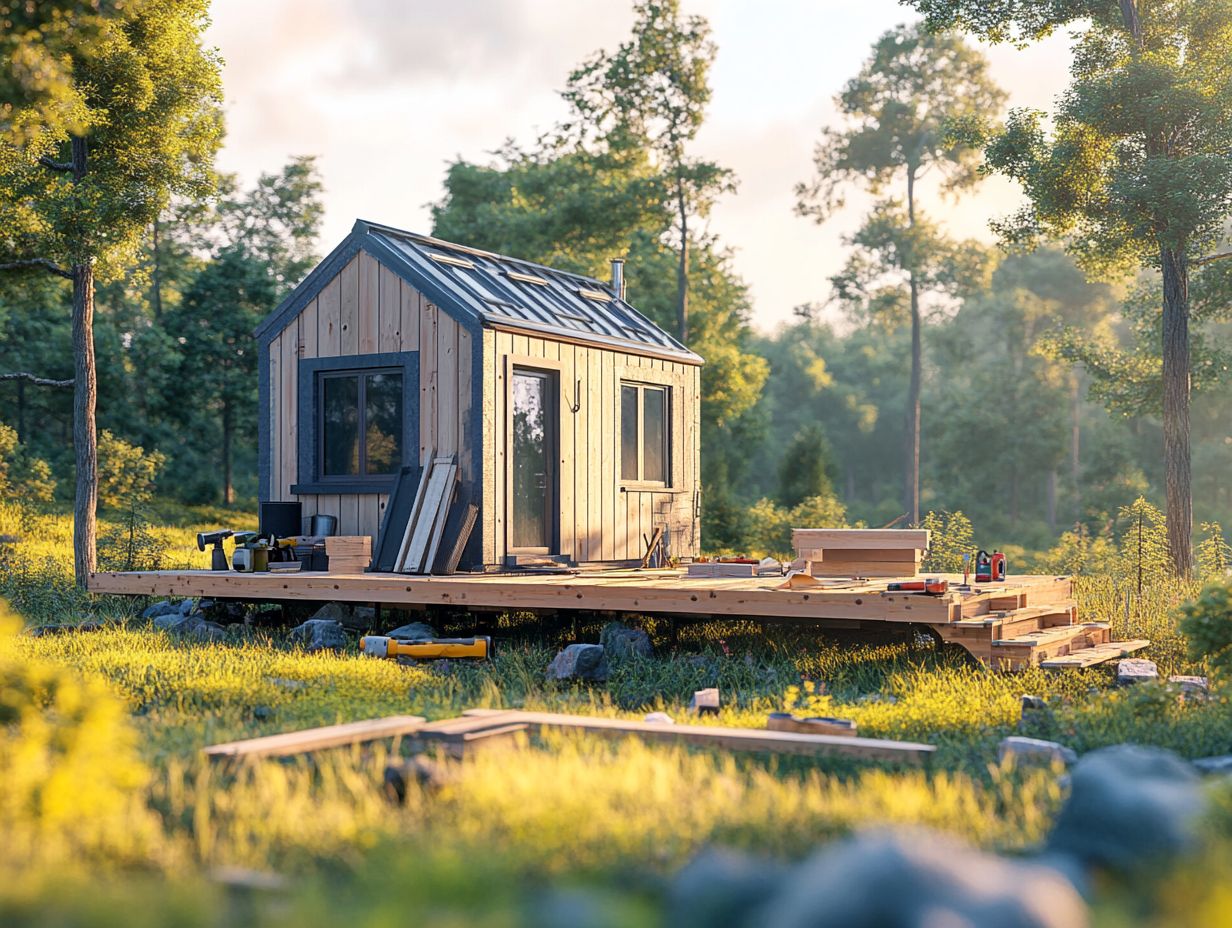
<point x="264" y="414"/>
<point x="307" y="480"/>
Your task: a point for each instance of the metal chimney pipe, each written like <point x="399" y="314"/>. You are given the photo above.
<point x="618" y="277"/>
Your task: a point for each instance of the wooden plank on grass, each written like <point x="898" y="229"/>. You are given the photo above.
<point x="316" y="739"/>
<point x="731" y="739"/>
<point x="1089" y="657"/>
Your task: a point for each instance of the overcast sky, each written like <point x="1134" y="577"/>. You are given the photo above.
<point x="387" y="92"/>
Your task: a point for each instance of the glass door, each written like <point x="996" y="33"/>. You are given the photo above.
<point x="532" y="456"/>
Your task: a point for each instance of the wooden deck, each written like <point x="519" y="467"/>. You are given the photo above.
<point x="1025" y="621"/>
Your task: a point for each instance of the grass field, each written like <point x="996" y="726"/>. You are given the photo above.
<point x="110" y="815"/>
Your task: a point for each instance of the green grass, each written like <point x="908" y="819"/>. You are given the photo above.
<point x="121" y="714"/>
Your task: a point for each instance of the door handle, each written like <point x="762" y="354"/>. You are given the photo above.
<point x="541" y="481"/>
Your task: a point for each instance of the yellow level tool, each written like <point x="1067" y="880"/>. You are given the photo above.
<point x="427" y="649"/>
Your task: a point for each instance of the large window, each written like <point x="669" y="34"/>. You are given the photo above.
<point x="645" y="433"/>
<point x="360" y="425"/>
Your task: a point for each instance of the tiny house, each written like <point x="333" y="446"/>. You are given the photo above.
<point x="574" y="419"/>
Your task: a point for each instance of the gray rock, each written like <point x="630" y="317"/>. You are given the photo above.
<point x="224" y="612"/>
<point x="576" y="907"/>
<point x="662" y="718"/>
<point x="1033" y="703"/>
<point x="198" y="629"/>
<point x="154" y="610"/>
<point x="1191" y="687"/>
<point x="1034" y="751"/>
<point x="262" y="713"/>
<point x="721" y="889"/>
<point x="1129" y="806"/>
<point x="333" y="612"/>
<point x="620" y="641"/>
<point x="886" y="880"/>
<point x="319" y="635"/>
<point x="579" y="662"/>
<point x="1214" y="766"/>
<point x="705" y="702"/>
<point x="426" y="773"/>
<point x="186" y="606"/>
<point x="1136" y="670"/>
<point x="413" y="630"/>
<point x="362" y="617"/>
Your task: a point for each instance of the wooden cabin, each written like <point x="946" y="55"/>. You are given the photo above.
<point x="574" y="418"/>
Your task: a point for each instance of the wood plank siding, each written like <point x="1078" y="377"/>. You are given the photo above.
<point x="368" y="308"/>
<point x="601" y="518"/>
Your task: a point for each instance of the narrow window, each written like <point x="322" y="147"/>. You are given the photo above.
<point x="645" y="433"/>
<point x="361" y="423"/>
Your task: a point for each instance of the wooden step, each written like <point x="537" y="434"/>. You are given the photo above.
<point x="1089" y="657"/>
<point x="1052" y="642"/>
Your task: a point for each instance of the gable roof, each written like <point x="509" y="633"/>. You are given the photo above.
<point x="484" y="289"/>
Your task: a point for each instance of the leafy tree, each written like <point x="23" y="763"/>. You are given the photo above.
<point x="1132" y="167"/>
<point x="951" y="535"/>
<point x="126" y="473"/>
<point x="262" y="245"/>
<point x="651" y="93"/>
<point x="897" y="109"/>
<point x="77" y="192"/>
<point x="1206" y="623"/>
<point x="1214" y="552"/>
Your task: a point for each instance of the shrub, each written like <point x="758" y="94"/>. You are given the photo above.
<point x="1206" y="623"/>
<point x="126" y="472"/>
<point x="21" y="471"/>
<point x="770" y="524"/>
<point x="951" y="537"/>
<point x="73" y="782"/>
<point x="1214" y="552"/>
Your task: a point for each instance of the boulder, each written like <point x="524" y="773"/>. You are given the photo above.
<point x="1033" y="703"/>
<point x="154" y="610"/>
<point x="319" y="635"/>
<point x="413" y="630"/>
<point x="1128" y="807"/>
<point x="224" y="611"/>
<point x="621" y="642"/>
<point x="1214" y="766"/>
<point x="1034" y="751"/>
<point x="1135" y="670"/>
<point x="721" y="889"/>
<point x="878" y="879"/>
<point x="661" y="718"/>
<point x="579" y="662"/>
<point x="428" y="774"/>
<point x="333" y="612"/>
<point x="198" y="629"/>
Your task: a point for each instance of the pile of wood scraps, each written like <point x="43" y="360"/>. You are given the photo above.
<point x="476" y="727"/>
<point x="348" y="554"/>
<point x="859" y="552"/>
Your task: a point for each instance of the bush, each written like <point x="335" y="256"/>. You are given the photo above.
<point x="1206" y="623"/>
<point x="22" y="472"/>
<point x="770" y="524"/>
<point x="951" y="536"/>
<point x="73" y="783"/>
<point x="126" y="472"/>
<point x="1214" y="552"/>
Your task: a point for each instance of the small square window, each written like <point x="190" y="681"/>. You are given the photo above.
<point x="645" y="433"/>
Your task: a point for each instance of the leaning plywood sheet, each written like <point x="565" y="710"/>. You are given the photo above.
<point x="316" y="739"/>
<point x="731" y="739"/>
<point x="437" y="486"/>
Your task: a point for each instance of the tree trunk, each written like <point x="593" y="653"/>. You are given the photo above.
<point x="911" y="462"/>
<point x="21" y="410"/>
<point x="1176" y="385"/>
<point x="682" y="269"/>
<point x="85" y="439"/>
<point x="228" y="428"/>
<point x="85" y="400"/>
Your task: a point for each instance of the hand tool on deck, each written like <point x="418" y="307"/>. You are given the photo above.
<point x="218" y="557"/>
<point x="933" y="586"/>
<point x="478" y="648"/>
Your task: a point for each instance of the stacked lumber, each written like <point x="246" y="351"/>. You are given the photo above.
<point x="860" y="552"/>
<point x="426" y="522"/>
<point x="348" y="554"/>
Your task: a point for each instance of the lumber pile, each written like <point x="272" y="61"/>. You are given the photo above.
<point x="348" y="554"/>
<point x="308" y="740"/>
<point x="859" y="552"/>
